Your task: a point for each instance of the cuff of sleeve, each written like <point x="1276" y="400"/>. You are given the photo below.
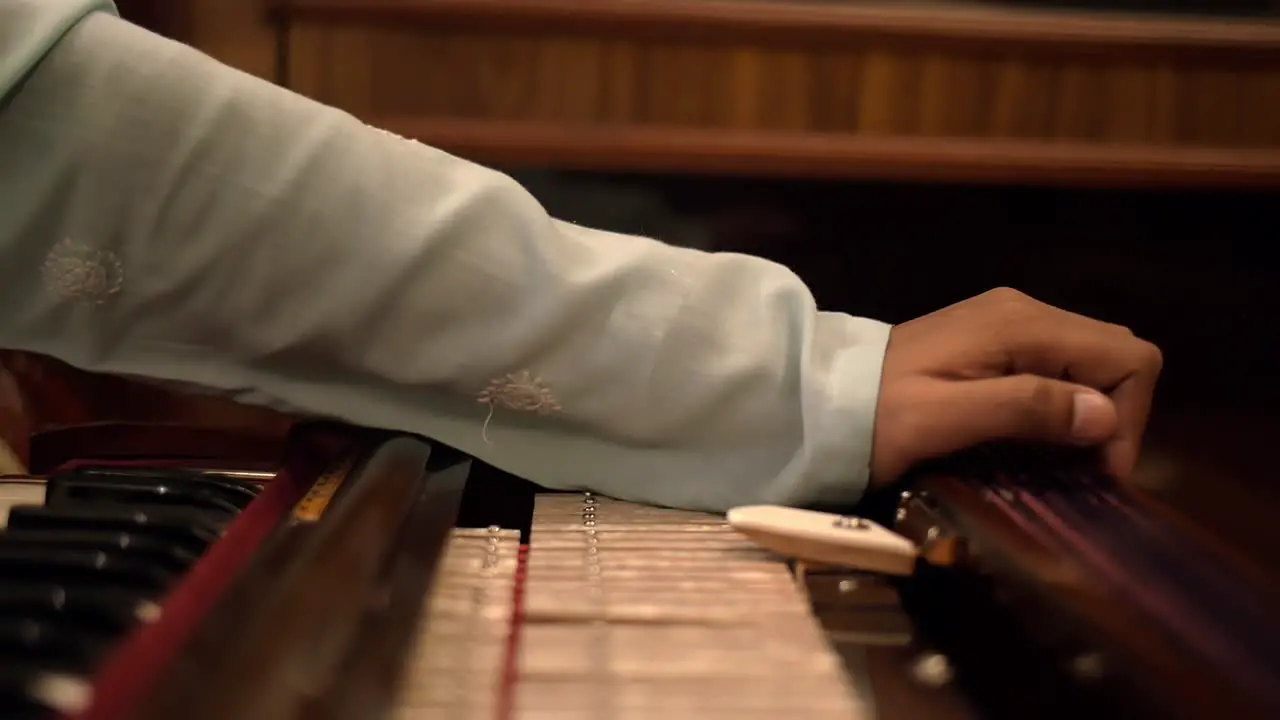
<point x="840" y="422"/>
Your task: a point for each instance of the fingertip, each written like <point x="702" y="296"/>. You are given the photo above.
<point x="1121" y="457"/>
<point x="1093" y="418"/>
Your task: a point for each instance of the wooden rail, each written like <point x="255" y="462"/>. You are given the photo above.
<point x="923" y="91"/>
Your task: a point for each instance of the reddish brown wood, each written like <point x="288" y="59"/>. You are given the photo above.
<point x="15" y="430"/>
<point x="676" y="150"/>
<point x="50" y="412"/>
<point x="819" y="22"/>
<point x="171" y="18"/>
<point x="106" y="441"/>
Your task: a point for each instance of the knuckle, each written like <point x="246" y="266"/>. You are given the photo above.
<point x="1014" y="307"/>
<point x="1006" y="296"/>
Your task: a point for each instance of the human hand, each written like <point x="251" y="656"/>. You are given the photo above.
<point x="1003" y="366"/>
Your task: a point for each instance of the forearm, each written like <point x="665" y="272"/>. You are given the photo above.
<point x="255" y="243"/>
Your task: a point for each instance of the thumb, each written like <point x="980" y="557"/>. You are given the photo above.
<point x="1024" y="407"/>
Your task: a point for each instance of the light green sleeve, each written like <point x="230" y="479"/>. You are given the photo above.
<point x="164" y="216"/>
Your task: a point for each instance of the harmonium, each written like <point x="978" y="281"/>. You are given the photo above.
<point x="165" y="572"/>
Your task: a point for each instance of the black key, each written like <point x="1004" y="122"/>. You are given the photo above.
<point x="89" y="567"/>
<point x="39" y="694"/>
<point x="98" y="610"/>
<point x="238" y="491"/>
<point x="65" y="491"/>
<point x="24" y="707"/>
<point x="25" y="642"/>
<point x="254" y="480"/>
<point x="168" y="555"/>
<point x="190" y="531"/>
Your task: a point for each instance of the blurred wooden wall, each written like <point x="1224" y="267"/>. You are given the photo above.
<point x="237" y="32"/>
<point x="949" y="92"/>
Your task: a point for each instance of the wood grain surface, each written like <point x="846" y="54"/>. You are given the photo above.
<point x="767" y="88"/>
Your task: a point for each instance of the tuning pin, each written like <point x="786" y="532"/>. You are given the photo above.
<point x="817" y="537"/>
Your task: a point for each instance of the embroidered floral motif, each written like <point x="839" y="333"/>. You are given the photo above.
<point x="519" y="391"/>
<point x="79" y="272"/>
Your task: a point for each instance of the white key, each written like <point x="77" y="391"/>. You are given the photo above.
<point x="66" y="694"/>
<point x="19" y="492"/>
<point x="10" y="464"/>
<point x="826" y="538"/>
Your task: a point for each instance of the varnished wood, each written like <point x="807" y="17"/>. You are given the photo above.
<point x="112" y="441"/>
<point x="237" y="32"/>
<point x="836" y="22"/>
<point x="166" y="17"/>
<point x="65" y="409"/>
<point x="786" y="89"/>
<point x="806" y="155"/>
<point x="51" y="394"/>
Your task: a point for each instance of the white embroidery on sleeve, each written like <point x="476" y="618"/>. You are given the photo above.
<point x="82" y="273"/>
<point x="521" y="391"/>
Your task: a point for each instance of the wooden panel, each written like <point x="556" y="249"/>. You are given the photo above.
<point x="239" y="33"/>
<point x="40" y="394"/>
<point x="845" y="89"/>
<point x="236" y="32"/>
<point x="165" y="17"/>
<point x="519" y="144"/>
<point x="868" y="90"/>
<point x="811" y="23"/>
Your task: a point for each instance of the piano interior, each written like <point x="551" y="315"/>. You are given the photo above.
<point x="353" y="574"/>
<point x="337" y="582"/>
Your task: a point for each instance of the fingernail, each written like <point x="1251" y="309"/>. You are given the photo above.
<point x="1091" y="418"/>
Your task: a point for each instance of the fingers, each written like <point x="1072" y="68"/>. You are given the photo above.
<point x="1099" y="355"/>
<point x="1112" y="360"/>
<point x="1132" y="399"/>
<point x="1015" y="407"/>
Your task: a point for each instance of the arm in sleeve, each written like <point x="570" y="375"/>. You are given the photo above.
<point x="164" y="216"/>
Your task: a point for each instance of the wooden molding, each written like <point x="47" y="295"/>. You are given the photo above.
<point x="940" y="92"/>
<point x="768" y="154"/>
<point x="822" y="23"/>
